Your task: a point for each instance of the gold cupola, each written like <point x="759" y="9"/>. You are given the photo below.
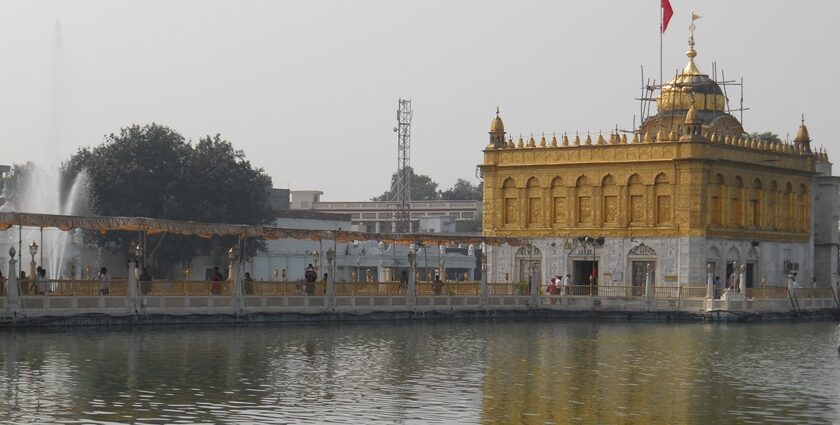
<point x="497" y="126"/>
<point x="497" y="133"/>
<point x="691" y="87"/>
<point x="803" y="139"/>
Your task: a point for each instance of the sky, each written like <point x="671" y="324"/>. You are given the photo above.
<point x="309" y="88"/>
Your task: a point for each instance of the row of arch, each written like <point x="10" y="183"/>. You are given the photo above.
<point x="752" y="204"/>
<point x="586" y="204"/>
<point x="732" y="202"/>
<point x="582" y="180"/>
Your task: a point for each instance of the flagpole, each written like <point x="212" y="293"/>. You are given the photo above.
<point x="661" y="31"/>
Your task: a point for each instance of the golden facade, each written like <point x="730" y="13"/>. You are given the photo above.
<point x="690" y="170"/>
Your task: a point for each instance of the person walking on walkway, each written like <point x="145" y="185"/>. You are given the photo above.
<point x="104" y="282"/>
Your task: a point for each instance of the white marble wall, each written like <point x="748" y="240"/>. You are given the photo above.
<point x="677" y="260"/>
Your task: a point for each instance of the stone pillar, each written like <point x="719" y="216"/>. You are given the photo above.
<point x="12" y="286"/>
<point x="411" y="288"/>
<point x="534" y="290"/>
<point x="742" y="280"/>
<point x="131" y="289"/>
<point x="483" y="292"/>
<point x="790" y="286"/>
<point x="710" y="283"/>
<point x="649" y="283"/>
<point x="330" y="290"/>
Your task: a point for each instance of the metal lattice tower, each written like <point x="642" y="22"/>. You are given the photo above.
<point x="402" y="186"/>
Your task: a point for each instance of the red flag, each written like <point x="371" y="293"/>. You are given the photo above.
<point x="667" y="12"/>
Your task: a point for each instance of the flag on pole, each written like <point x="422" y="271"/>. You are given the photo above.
<point x="667" y="12"/>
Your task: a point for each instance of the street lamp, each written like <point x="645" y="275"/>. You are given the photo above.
<point x="138" y="254"/>
<point x="33" y="249"/>
<point x="442" y="262"/>
<point x="380" y="251"/>
<point x="315" y="257"/>
<point x="358" y="266"/>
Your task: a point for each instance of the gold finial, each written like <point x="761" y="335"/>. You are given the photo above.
<point x="624" y="138"/>
<point x="601" y="140"/>
<point x="577" y="139"/>
<point x="565" y="139"/>
<point x="542" y="141"/>
<point x="647" y="138"/>
<point x="520" y="143"/>
<point x="510" y="142"/>
<point x="531" y="142"/>
<point x="553" y="140"/>
<point x="635" y="138"/>
<point x="588" y="139"/>
<point x="672" y="135"/>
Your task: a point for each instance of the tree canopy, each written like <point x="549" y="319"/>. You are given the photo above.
<point x="151" y="171"/>
<point x="423" y="188"/>
<point x="767" y="136"/>
<point x="464" y="190"/>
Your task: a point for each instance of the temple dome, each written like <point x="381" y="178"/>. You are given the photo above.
<point x="691" y="87"/>
<point x="497" y="126"/>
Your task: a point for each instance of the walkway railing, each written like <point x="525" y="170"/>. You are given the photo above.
<point x="768" y="293"/>
<point x="67" y="287"/>
<point x="813" y="293"/>
<point x="369" y="288"/>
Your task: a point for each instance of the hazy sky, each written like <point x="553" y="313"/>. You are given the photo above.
<point x="308" y="89"/>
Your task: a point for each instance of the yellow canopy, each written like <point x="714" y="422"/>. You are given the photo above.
<point x="206" y="230"/>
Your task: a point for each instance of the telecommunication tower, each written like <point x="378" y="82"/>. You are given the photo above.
<point x="402" y="185"/>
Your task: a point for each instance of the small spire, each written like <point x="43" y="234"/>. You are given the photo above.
<point x="553" y="140"/>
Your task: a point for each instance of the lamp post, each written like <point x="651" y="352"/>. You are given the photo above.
<point x="471" y="254"/>
<point x="33" y="249"/>
<point x="411" y="287"/>
<point x="380" y="251"/>
<point x="315" y="256"/>
<point x="483" y="292"/>
<point x="330" y="283"/>
<point x="358" y="267"/>
<point x="442" y="262"/>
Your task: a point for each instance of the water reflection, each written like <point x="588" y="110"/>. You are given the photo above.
<point x="425" y="372"/>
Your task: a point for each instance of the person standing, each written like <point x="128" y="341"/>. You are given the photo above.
<point x="566" y="281"/>
<point x="216" y="281"/>
<point x="104" y="282"/>
<point x="552" y="289"/>
<point x="145" y="280"/>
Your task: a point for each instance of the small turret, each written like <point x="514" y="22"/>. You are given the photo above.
<point x="803" y="139"/>
<point x="497" y="133"/>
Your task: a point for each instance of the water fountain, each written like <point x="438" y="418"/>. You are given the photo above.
<point x="43" y="191"/>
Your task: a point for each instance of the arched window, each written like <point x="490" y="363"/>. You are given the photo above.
<point x="735" y="209"/>
<point x="609" y="200"/>
<point x="584" y="200"/>
<point x="534" y="202"/>
<point x="756" y="197"/>
<point x="636" y="201"/>
<point x="662" y="190"/>
<point x="510" y="209"/>
<point x="716" y="197"/>
<point x="559" y="204"/>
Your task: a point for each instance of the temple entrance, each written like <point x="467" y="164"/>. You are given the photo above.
<point x="638" y="277"/>
<point x="529" y="265"/>
<point x="750" y="283"/>
<point x="582" y="270"/>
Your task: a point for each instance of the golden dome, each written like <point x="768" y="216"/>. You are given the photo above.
<point x="802" y="134"/>
<point x="691" y="87"/>
<point x="497" y="126"/>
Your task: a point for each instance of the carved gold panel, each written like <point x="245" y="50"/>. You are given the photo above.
<point x="560" y="210"/>
<point x="637" y="209"/>
<point x="663" y="209"/>
<point x="534" y="210"/>
<point x="584" y="209"/>
<point x="510" y="210"/>
<point x="610" y="209"/>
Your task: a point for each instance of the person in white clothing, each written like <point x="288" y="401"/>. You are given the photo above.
<point x="104" y="282"/>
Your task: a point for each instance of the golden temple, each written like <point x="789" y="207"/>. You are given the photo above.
<point x="689" y="170"/>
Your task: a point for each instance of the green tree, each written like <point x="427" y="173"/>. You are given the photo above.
<point x="151" y="171"/>
<point x="767" y="136"/>
<point x="423" y="188"/>
<point x="13" y="181"/>
<point x="463" y="190"/>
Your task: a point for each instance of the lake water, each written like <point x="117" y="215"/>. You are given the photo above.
<point x="503" y="371"/>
